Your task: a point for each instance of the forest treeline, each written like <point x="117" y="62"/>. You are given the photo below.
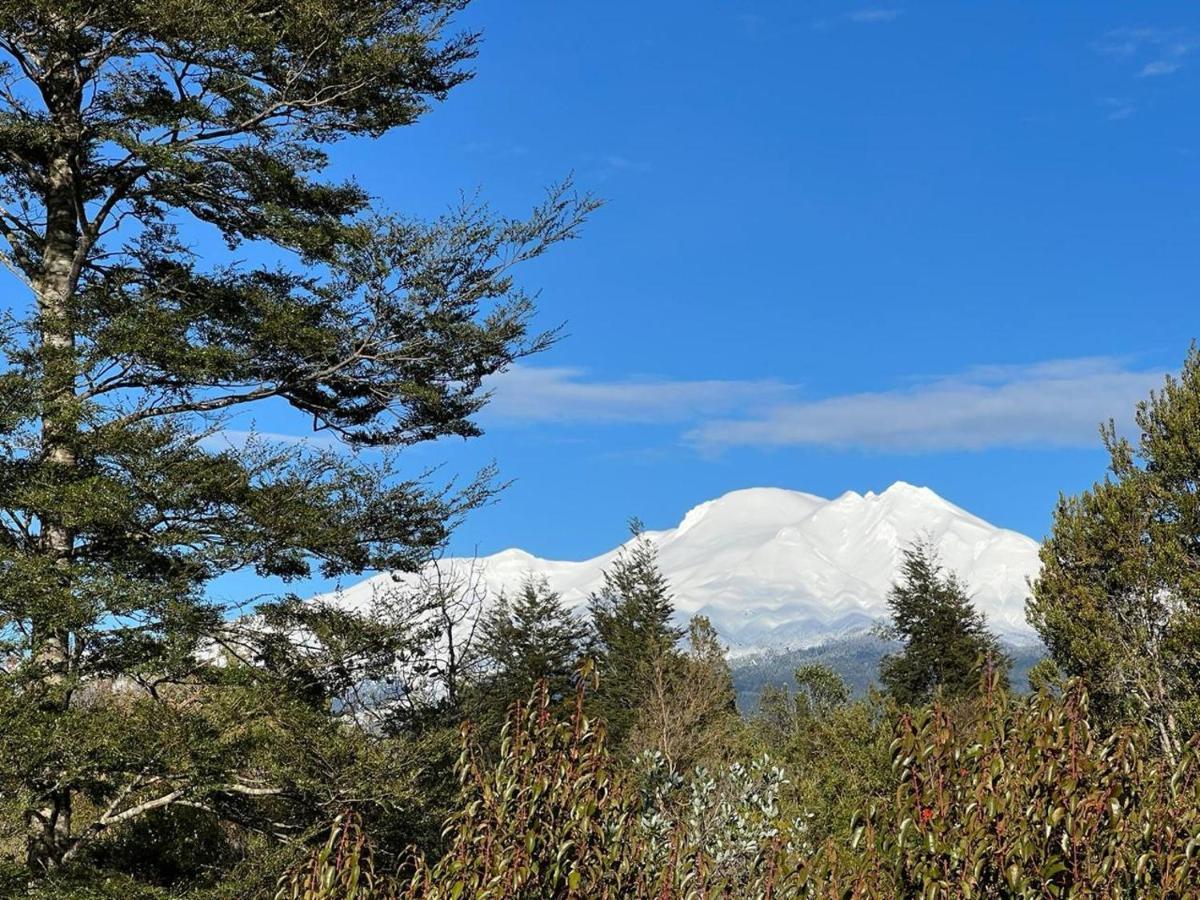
<point x="181" y="259"/>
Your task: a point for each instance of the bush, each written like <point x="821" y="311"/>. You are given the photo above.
<point x="1026" y="800"/>
<point x="1008" y="797"/>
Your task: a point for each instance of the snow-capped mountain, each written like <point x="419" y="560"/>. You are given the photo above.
<point x="775" y="568"/>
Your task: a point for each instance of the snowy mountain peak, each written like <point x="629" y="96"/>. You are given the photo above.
<point x="780" y="568"/>
<point x="747" y="507"/>
<point x="904" y="489"/>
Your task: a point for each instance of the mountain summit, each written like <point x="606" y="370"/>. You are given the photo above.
<point x="774" y="568"/>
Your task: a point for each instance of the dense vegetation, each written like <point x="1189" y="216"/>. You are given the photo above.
<point x="1017" y="798"/>
<point x="136" y="707"/>
<point x="442" y="743"/>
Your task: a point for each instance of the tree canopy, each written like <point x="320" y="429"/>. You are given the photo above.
<point x="631" y="615"/>
<point x="130" y="135"/>
<point x="945" y="638"/>
<point x="1116" y="601"/>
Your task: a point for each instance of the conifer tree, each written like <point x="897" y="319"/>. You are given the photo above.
<point x="1117" y="598"/>
<point x="530" y="638"/>
<point x="631" y="615"/>
<point x="945" y="638"/>
<point x="130" y="134"/>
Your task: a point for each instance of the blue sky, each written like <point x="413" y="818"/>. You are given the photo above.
<point x="843" y="245"/>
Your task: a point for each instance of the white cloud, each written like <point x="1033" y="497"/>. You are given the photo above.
<point x="1118" y="108"/>
<point x="874" y="15"/>
<point x="1159" y="67"/>
<point x="555" y="394"/>
<point x="1052" y="404"/>
<point x="616" y="161"/>
<point x="1057" y="403"/>
<point x="1163" y="49"/>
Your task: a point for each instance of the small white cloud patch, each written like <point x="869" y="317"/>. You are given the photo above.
<point x="874" y="15"/>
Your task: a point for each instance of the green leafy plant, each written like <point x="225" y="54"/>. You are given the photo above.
<point x="342" y="868"/>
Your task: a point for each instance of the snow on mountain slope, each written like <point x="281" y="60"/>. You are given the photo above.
<point x="779" y="568"/>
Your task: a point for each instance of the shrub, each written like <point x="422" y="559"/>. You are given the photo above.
<point x="1006" y="797"/>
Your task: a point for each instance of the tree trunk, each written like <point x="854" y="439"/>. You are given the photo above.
<point x="54" y="286"/>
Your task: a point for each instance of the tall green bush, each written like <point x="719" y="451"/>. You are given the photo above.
<point x="1009" y="797"/>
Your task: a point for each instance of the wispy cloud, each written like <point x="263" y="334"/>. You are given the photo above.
<point x="559" y="394"/>
<point x="624" y="163"/>
<point x="1117" y="108"/>
<point x="1154" y="51"/>
<point x="1051" y="404"/>
<point x="1058" y="403"/>
<point x="867" y="15"/>
<point x="603" y="166"/>
<point x="1159" y="67"/>
<point x="874" y="15"/>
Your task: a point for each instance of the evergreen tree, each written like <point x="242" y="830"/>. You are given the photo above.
<point x="1117" y="598"/>
<point x="631" y="616"/>
<point x="130" y="132"/>
<point x="944" y="636"/>
<point x="528" y="639"/>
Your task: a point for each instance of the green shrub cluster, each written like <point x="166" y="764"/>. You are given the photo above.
<point x="1005" y="796"/>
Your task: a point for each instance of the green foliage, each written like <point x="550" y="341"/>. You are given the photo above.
<point x="530" y="638"/>
<point x="133" y="132"/>
<point x="820" y="689"/>
<point x="343" y="868"/>
<point x="631" y="616"/>
<point x="552" y="818"/>
<point x="727" y="823"/>
<point x="945" y="638"/>
<point x="836" y="750"/>
<point x="686" y="710"/>
<point x="854" y="658"/>
<point x="1026" y="800"/>
<point x="76" y="883"/>
<point x="558" y="816"/>
<point x="1009" y="798"/>
<point x="1115" y="602"/>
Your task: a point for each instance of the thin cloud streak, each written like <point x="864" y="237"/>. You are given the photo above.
<point x="559" y="394"/>
<point x="1053" y="404"/>
<point x="1158" y="67"/>
<point x="874" y="15"/>
<point x="1163" y="49"/>
<point x="1056" y="403"/>
<point x="1118" y="108"/>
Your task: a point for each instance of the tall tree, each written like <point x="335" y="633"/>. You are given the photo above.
<point x="686" y="705"/>
<point x="944" y="636"/>
<point x="1117" y="598"/>
<point x="529" y="638"/>
<point x="631" y="615"/>
<point x="126" y="130"/>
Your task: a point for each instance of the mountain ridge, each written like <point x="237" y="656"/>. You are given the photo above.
<point x="780" y="569"/>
